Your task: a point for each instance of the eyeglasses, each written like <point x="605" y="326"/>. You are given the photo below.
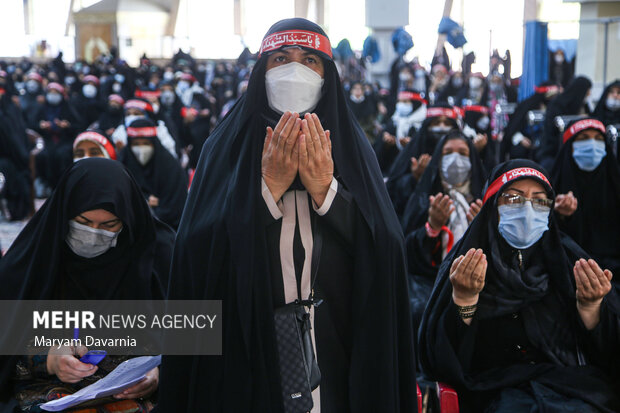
<point x="539" y="204"/>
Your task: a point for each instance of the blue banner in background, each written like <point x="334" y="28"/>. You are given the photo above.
<point x="535" y="58"/>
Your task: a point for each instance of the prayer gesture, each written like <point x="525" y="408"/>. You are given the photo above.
<point x="474" y="209"/>
<point x="439" y="211"/>
<point x="316" y="167"/>
<point x="418" y="166"/>
<point x="467" y="276"/>
<point x="565" y="204"/>
<point x="280" y="160"/>
<point x="593" y="284"/>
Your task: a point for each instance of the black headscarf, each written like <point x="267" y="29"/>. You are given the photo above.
<point x="40" y="265"/>
<point x="595" y="225"/>
<point x="221" y="253"/>
<point x="518" y="119"/>
<point x="162" y="176"/>
<point x="416" y="212"/>
<point x="550" y="324"/>
<point x="601" y="112"/>
<point x="423" y="142"/>
<point x="544" y="294"/>
<point x="569" y="102"/>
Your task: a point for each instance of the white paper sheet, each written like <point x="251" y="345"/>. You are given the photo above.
<point x="125" y="375"/>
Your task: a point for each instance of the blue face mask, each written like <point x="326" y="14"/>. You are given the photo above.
<point x="521" y="225"/>
<point x="588" y="154"/>
<point x="404" y="109"/>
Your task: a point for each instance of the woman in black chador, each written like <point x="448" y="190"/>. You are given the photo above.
<point x="520" y="320"/>
<point x="93" y="239"/>
<point x="270" y="209"/>
<point x="586" y="169"/>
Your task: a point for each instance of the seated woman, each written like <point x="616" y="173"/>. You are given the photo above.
<point x="519" y="319"/>
<point x="398" y="130"/>
<point x="583" y="171"/>
<point x="94" y="239"/>
<point x="159" y="175"/>
<point x="438" y="213"/>
<point x="93" y="144"/>
<point x="411" y="161"/>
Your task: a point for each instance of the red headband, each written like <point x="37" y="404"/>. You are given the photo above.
<point x="301" y="38"/>
<point x="145" y="132"/>
<point x="411" y="96"/>
<point x="477" y="108"/>
<point x="99" y="139"/>
<point x="138" y="104"/>
<point x="511" y="176"/>
<point x="583" y="125"/>
<point x="147" y="94"/>
<point x="57" y="87"/>
<point x="545" y="89"/>
<point x="116" y="98"/>
<point x="35" y="76"/>
<point x="447" y="112"/>
<point x="91" y="78"/>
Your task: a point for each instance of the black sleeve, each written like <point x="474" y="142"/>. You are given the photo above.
<point x="423" y="253"/>
<point x="342" y="215"/>
<point x="462" y="337"/>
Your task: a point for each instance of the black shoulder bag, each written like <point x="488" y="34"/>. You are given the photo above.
<point x="299" y="370"/>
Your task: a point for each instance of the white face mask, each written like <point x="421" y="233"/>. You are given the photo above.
<point x="117" y="88"/>
<point x="143" y="153"/>
<point x="475" y="82"/>
<point x="90" y="91"/>
<point x="612" y="103"/>
<point x="483" y="123"/>
<point x="455" y="168"/>
<point x="53" y="99"/>
<point x="293" y="87"/>
<point x="404" y="108"/>
<point x="130" y="118"/>
<point x="89" y="242"/>
<point x="32" y="86"/>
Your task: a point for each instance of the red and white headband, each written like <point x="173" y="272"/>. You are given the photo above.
<point x="302" y="38"/>
<point x="545" y="89"/>
<point x="411" y="96"/>
<point x="105" y="144"/>
<point x="477" y="108"/>
<point x="511" y="176"/>
<point x="583" y="125"/>
<point x="447" y="112"/>
<point x="116" y="98"/>
<point x="138" y="104"/>
<point x="143" y="132"/>
<point x="57" y="87"/>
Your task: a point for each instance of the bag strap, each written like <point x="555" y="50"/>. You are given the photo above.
<point x="316" y="259"/>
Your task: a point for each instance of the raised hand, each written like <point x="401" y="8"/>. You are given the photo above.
<point x="565" y="204"/>
<point x="593" y="284"/>
<point x="280" y="162"/>
<point x="389" y="139"/>
<point x="439" y="210"/>
<point x="474" y="209"/>
<point x="404" y="141"/>
<point x="467" y="275"/>
<point x="418" y="166"/>
<point x="480" y="141"/>
<point x="316" y="166"/>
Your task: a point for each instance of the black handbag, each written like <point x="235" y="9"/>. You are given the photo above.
<point x="299" y="369"/>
